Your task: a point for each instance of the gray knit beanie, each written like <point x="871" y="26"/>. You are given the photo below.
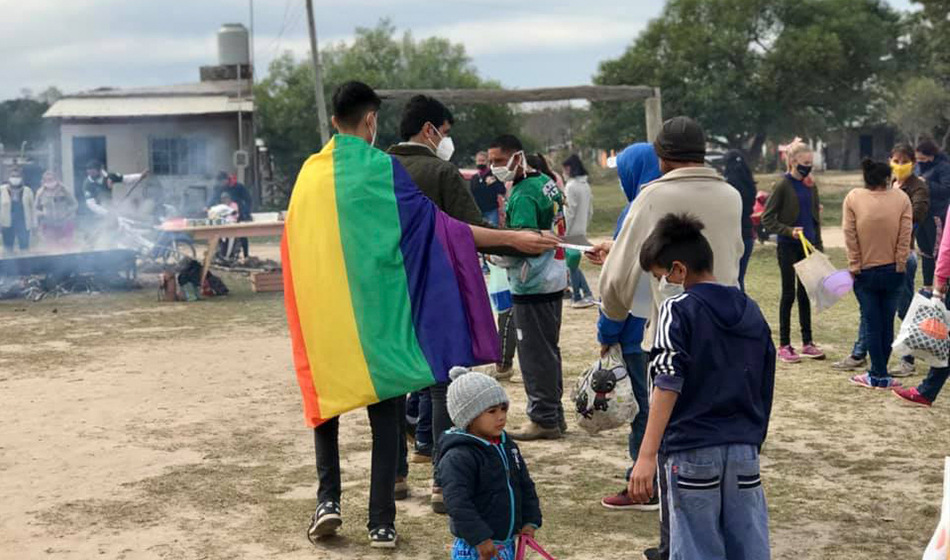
<point x="470" y="394"/>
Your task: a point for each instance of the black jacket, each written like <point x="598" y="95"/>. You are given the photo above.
<point x="439" y="180"/>
<point x="486" y="487"/>
<point x="738" y="174"/>
<point x="937" y="175"/>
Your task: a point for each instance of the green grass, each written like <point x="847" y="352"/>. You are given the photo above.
<point x="609" y="200"/>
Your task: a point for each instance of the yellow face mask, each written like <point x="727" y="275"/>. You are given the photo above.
<point x="902" y="171"/>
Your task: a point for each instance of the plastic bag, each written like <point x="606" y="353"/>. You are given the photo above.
<point x="603" y="396"/>
<point x="499" y="292"/>
<point x="924" y="332"/>
<point x="812" y="271"/>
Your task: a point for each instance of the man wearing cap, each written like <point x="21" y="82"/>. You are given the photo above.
<point x="687" y="186"/>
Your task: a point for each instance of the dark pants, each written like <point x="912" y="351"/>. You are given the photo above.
<point x="539" y="331"/>
<point x="509" y="337"/>
<point x="930" y="387"/>
<point x="860" y="351"/>
<point x="744" y="261"/>
<point x="385" y="425"/>
<point x="16" y="236"/>
<point x="878" y="291"/>
<point x="441" y="422"/>
<point x="664" y="484"/>
<point x="424" y="426"/>
<point x="637" y="370"/>
<point x="788" y="255"/>
<point x="928" y="243"/>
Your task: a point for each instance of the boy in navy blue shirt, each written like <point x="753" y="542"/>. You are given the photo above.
<point x="713" y="372"/>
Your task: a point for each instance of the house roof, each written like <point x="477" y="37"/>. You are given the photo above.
<point x="203" y="98"/>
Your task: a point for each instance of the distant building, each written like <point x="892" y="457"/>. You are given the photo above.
<point x="183" y="134"/>
<point x="846" y="148"/>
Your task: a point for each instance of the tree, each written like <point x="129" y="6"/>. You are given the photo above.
<point x="922" y="104"/>
<point x="21" y="120"/>
<point x="748" y="69"/>
<point x="287" y="110"/>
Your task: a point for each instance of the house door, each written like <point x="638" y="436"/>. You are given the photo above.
<point x="86" y="148"/>
<point x="867" y="146"/>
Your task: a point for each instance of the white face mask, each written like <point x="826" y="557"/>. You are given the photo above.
<point x="504" y="174"/>
<point x="375" y="129"/>
<point x="445" y="148"/>
<point x="16" y="181"/>
<point x="668" y="289"/>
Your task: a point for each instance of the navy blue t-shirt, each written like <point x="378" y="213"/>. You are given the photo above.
<point x="805" y="220"/>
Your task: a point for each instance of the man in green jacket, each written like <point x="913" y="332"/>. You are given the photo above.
<point x="425" y="152"/>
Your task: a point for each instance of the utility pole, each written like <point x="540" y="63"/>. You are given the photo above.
<point x="318" y="78"/>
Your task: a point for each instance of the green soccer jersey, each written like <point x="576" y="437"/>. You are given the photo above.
<point x="536" y="203"/>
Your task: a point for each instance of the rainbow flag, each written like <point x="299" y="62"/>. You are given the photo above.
<point x="384" y="292"/>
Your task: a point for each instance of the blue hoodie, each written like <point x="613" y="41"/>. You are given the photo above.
<point x="714" y="348"/>
<point x="637" y="165"/>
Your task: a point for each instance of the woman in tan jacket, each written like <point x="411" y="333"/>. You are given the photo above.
<point x="877" y="222"/>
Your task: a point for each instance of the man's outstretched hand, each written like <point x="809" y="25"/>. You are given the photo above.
<point x="533" y="242"/>
<point x="599" y="253"/>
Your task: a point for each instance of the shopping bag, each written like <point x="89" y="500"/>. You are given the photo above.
<point x="499" y="291"/>
<point x="924" y="332"/>
<point x="813" y="271"/>
<point x="524" y="543"/>
<point x="603" y="395"/>
<point x="939" y="547"/>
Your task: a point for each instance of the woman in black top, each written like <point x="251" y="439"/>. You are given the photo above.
<point x="738" y="174"/>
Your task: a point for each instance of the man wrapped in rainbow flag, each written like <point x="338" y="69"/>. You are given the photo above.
<point x="384" y="294"/>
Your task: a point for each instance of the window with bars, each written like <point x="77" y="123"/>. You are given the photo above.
<point x="178" y="155"/>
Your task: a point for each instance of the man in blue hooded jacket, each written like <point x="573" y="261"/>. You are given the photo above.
<point x="637" y="165"/>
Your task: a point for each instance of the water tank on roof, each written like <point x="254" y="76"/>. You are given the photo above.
<point x="233" y="45"/>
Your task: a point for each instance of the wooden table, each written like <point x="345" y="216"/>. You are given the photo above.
<point x="214" y="233"/>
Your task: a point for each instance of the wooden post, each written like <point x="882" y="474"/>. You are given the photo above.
<point x="654" y="112"/>
<point x="318" y="78"/>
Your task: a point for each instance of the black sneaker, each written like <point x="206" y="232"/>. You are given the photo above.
<point x="325" y="521"/>
<point x="651" y="554"/>
<point x="382" y="537"/>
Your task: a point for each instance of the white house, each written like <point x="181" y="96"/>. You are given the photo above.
<point x="183" y="134"/>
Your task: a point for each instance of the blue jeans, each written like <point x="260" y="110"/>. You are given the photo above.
<point x="878" y="290"/>
<point x="860" y="349"/>
<point x="637" y="370"/>
<point x="491" y="217"/>
<point x="579" y="284"/>
<point x="424" y="426"/>
<point x="717" y="505"/>
<point x="744" y="261"/>
<point x="930" y="387"/>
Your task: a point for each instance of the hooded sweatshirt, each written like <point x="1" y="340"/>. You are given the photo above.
<point x="486" y="487"/>
<point x="937" y="175"/>
<point x="580" y="207"/>
<point x="714" y="348"/>
<point x="637" y="165"/>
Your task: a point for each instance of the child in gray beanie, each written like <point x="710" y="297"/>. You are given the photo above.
<point x="488" y="492"/>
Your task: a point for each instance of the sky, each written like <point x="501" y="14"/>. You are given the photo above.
<point x="77" y="45"/>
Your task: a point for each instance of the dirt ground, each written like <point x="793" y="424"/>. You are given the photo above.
<point x="136" y="429"/>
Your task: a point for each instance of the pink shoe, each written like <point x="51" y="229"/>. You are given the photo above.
<point x="912" y="396"/>
<point x="787" y="354"/>
<point x="812" y="352"/>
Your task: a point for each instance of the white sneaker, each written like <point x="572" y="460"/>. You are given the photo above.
<point x="583" y="303"/>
